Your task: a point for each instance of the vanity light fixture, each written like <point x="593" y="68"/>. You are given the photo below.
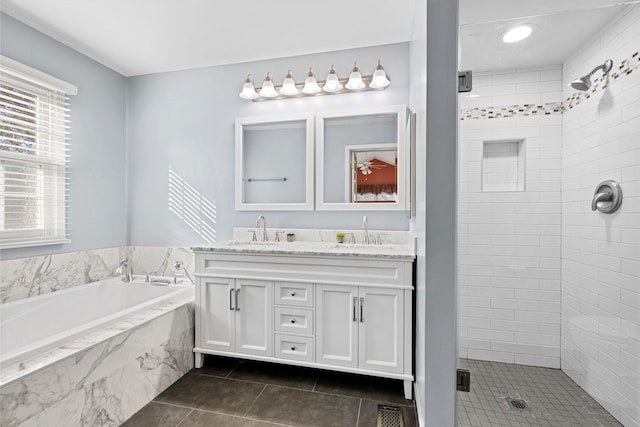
<point x="517" y="34"/>
<point x="311" y="84"/>
<point x="289" y="85"/>
<point x="332" y="84"/>
<point x="268" y="89"/>
<point x="379" y="79"/>
<point x="355" y="79"/>
<point x="312" y="87"/>
<point x="248" y="91"/>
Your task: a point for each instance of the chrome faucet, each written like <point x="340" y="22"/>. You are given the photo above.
<point x="179" y="265"/>
<point x="264" y="227"/>
<point x="125" y="268"/>
<point x="365" y="226"/>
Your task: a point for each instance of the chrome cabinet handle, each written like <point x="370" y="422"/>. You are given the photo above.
<point x="293" y="320"/>
<point x="293" y="294"/>
<point x="361" y="313"/>
<point x="237" y="306"/>
<point x="355" y="319"/>
<point x="293" y="348"/>
<point x="231" y="299"/>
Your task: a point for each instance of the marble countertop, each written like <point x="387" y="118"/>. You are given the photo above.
<point x="310" y="248"/>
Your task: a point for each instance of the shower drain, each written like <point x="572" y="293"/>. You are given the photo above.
<point x="517" y="404"/>
<point x="390" y="416"/>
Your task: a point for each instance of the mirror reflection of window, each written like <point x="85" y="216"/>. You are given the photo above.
<point x="374" y="176"/>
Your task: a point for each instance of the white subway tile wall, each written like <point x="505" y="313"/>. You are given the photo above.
<point x="601" y="253"/>
<point x="509" y="240"/>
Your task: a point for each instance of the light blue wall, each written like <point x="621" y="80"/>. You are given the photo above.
<point x="98" y="138"/>
<point x="184" y="122"/>
<point x="434" y="98"/>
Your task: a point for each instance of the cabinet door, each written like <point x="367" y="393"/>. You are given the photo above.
<point x="381" y="329"/>
<point x="337" y="325"/>
<point x="254" y="317"/>
<point x="216" y="314"/>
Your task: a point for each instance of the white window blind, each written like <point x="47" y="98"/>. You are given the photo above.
<point x="34" y="124"/>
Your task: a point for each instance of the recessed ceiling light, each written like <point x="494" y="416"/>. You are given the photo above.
<point x="517" y="33"/>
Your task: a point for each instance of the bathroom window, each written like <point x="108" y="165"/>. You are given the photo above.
<point x="33" y="156"/>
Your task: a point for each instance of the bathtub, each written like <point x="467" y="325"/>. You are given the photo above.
<point x="35" y="325"/>
<point x="63" y="353"/>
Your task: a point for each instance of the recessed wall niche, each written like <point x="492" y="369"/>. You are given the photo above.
<point x="503" y="165"/>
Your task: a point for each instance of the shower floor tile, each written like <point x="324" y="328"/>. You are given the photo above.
<point x="232" y="392"/>
<point x="553" y="399"/>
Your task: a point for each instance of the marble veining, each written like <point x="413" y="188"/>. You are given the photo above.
<point x="398" y="244"/>
<point x="32" y="276"/>
<point x="105" y="377"/>
<point x="27" y="277"/>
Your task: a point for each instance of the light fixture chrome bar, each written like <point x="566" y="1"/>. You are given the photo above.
<point x="365" y="79"/>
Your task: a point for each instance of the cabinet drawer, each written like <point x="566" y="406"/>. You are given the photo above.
<point x="294" y="320"/>
<point x="294" y="294"/>
<point x="294" y="348"/>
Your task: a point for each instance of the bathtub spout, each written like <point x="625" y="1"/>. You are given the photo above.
<point x="125" y="269"/>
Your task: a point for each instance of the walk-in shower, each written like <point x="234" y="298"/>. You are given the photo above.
<point x="545" y="280"/>
<point x="584" y="83"/>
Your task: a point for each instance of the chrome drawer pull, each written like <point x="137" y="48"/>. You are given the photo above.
<point x="293" y="348"/>
<point x="293" y="293"/>
<point x="293" y="320"/>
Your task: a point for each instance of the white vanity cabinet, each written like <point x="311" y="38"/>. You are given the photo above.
<point x="345" y="313"/>
<point x="361" y="327"/>
<point x="235" y="315"/>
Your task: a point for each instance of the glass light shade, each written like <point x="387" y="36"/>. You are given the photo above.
<point x="332" y="84"/>
<point x="379" y="79"/>
<point x="310" y="84"/>
<point x="289" y="85"/>
<point x="517" y="33"/>
<point x="248" y="91"/>
<point x="268" y="90"/>
<point x="355" y="79"/>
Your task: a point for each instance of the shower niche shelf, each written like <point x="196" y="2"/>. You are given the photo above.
<point x="503" y="165"/>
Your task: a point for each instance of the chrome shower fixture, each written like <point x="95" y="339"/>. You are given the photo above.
<point x="584" y="83"/>
<point x="179" y="265"/>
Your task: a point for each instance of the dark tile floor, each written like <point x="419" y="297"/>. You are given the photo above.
<point x="232" y="392"/>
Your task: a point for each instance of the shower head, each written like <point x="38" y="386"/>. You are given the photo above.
<point x="584" y="83"/>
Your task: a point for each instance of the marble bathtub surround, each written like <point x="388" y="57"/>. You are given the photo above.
<point x="28" y="277"/>
<point x="104" y="377"/>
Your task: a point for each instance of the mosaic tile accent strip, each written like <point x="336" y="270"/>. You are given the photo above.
<point x="525" y="110"/>
<point x="626" y="67"/>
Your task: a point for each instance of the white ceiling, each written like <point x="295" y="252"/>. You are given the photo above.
<point x="555" y="38"/>
<point x="150" y="36"/>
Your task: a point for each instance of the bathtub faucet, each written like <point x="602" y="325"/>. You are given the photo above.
<point x="125" y="268"/>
